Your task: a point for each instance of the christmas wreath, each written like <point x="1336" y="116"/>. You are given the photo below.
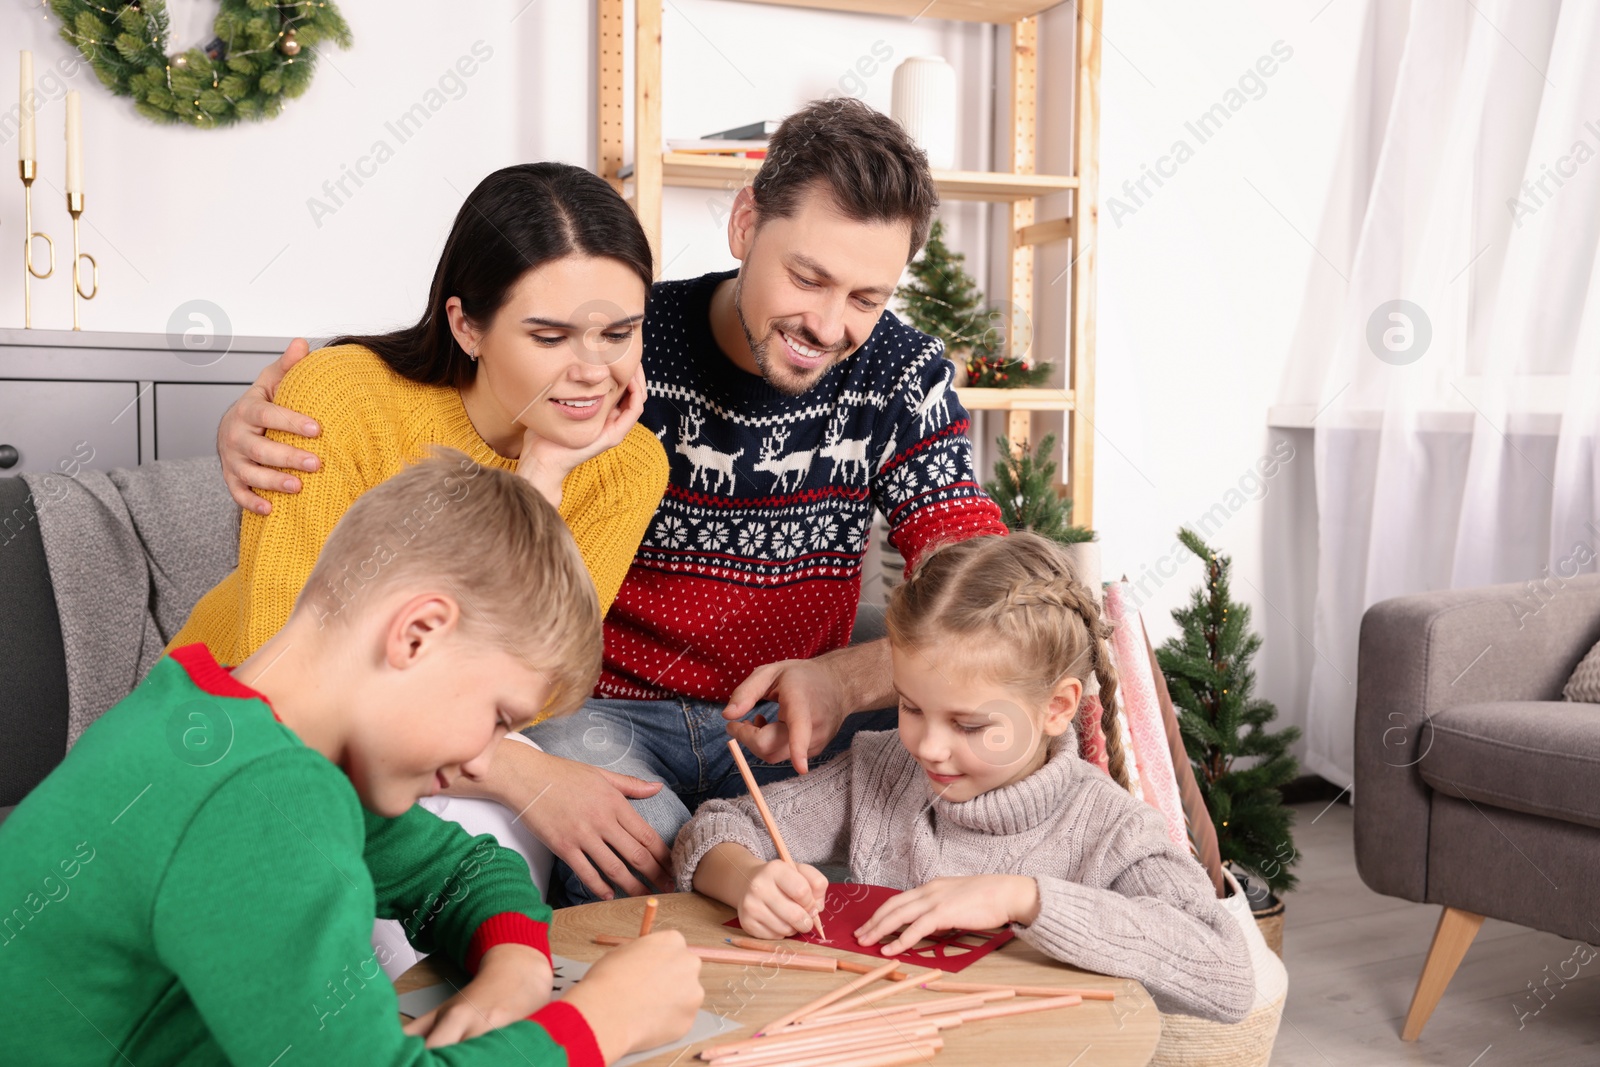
<point x="263" y="54"/>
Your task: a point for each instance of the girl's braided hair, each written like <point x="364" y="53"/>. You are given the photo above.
<point x="1019" y="596"/>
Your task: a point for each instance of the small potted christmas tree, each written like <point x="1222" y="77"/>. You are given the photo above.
<point x="1024" y="486"/>
<point x="943" y="301"/>
<point x="1239" y="765"/>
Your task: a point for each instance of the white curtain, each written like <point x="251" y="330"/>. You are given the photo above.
<point x="1449" y="341"/>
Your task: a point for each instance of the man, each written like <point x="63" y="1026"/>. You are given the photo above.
<point x="790" y="406"/>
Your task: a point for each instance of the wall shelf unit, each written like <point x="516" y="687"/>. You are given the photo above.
<point x="1018" y="187"/>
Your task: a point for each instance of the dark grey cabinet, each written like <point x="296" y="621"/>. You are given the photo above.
<point x="62" y="426"/>
<point x="72" y="399"/>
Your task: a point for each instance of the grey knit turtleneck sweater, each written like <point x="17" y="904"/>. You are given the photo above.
<point x="1116" y="896"/>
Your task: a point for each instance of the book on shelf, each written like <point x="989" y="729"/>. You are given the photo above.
<point x="718" y="146"/>
<point x="755" y="131"/>
<point x="755" y="150"/>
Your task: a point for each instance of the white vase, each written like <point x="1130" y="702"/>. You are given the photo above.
<point x="1085" y="557"/>
<point x="924" y="103"/>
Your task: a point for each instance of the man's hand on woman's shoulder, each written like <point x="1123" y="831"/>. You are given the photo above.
<point x="250" y="459"/>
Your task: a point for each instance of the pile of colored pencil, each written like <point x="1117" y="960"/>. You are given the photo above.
<point x="840" y="1030"/>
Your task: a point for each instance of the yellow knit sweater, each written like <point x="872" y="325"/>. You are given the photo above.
<point x="374" y="422"/>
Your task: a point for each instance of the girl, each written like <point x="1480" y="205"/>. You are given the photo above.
<point x="980" y="808"/>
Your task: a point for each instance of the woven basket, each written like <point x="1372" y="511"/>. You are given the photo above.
<point x="1271" y="924"/>
<point x="1187" y="1041"/>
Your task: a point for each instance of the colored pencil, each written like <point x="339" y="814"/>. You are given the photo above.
<point x="862" y="968"/>
<point x="950" y="1020"/>
<point x="871" y="1050"/>
<point x="844" y="965"/>
<point x="1019" y="1007"/>
<point x="744" y="1044"/>
<point x="839" y="1051"/>
<point x="943" y="1005"/>
<point x="870" y="997"/>
<point x="909" y="1013"/>
<point x="766" y="817"/>
<point x="650" y="905"/>
<point x="744" y="957"/>
<point x="828" y="998"/>
<point x="944" y="985"/>
<point x="900" y="1055"/>
<point x="902" y="1029"/>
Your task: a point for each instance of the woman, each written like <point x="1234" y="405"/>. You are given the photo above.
<point x="526" y="358"/>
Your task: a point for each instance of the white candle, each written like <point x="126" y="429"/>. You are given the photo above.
<point x="74" y="143"/>
<point x="25" y="100"/>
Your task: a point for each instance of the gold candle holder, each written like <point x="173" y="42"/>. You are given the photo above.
<point x="28" y="168"/>
<point x="75" y="209"/>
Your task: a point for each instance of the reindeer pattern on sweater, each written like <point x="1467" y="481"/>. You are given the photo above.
<point x="755" y="553"/>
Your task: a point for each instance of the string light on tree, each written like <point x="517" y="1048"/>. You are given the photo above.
<point x="1239" y="766"/>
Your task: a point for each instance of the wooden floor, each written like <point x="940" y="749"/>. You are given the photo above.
<point x="1353" y="959"/>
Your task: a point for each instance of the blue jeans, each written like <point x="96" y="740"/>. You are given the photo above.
<point x="682" y="743"/>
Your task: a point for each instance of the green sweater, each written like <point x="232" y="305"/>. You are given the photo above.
<point x="194" y="885"/>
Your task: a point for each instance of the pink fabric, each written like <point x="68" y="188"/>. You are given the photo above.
<point x="1091" y="737"/>
<point x="1141" y="709"/>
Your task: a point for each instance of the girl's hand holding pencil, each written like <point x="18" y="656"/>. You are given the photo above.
<point x="781" y="899"/>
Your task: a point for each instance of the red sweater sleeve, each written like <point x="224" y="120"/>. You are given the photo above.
<point x="927" y="487"/>
<point x="508" y="928"/>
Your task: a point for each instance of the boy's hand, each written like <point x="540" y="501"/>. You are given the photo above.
<point x="512" y="983"/>
<point x="976" y="902"/>
<point x="779" y="900"/>
<point x="641" y="994"/>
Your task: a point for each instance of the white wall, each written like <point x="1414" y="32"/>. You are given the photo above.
<point x="1199" y="283"/>
<point x="1200" y="289"/>
<point x="175" y="214"/>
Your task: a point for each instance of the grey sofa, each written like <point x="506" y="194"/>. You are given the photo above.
<point x="98" y="570"/>
<point x="1477" y="787"/>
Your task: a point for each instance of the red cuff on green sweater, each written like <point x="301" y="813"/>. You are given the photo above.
<point x="508" y="928"/>
<point x="568" y="1028"/>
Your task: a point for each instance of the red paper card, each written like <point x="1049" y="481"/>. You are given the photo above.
<point x="851" y="904"/>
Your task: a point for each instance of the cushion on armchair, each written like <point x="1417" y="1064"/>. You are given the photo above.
<point x="1538" y="757"/>
<point x="1584" y="684"/>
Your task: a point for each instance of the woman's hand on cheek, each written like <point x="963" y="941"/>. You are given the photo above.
<point x="545" y="462"/>
<point x="976" y="902"/>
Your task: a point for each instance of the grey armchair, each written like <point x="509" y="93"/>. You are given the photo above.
<point x="1477" y="787"/>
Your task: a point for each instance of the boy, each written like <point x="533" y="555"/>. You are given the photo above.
<point x="197" y="881"/>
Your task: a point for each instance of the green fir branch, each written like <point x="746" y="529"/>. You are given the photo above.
<point x="1240" y="765"/>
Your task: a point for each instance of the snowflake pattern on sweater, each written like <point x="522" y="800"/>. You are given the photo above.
<point x="755" y="553"/>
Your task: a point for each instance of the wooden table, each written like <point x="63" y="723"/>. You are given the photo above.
<point x="1119" y="1033"/>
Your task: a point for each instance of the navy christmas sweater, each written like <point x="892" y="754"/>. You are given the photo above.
<point x="755" y="552"/>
